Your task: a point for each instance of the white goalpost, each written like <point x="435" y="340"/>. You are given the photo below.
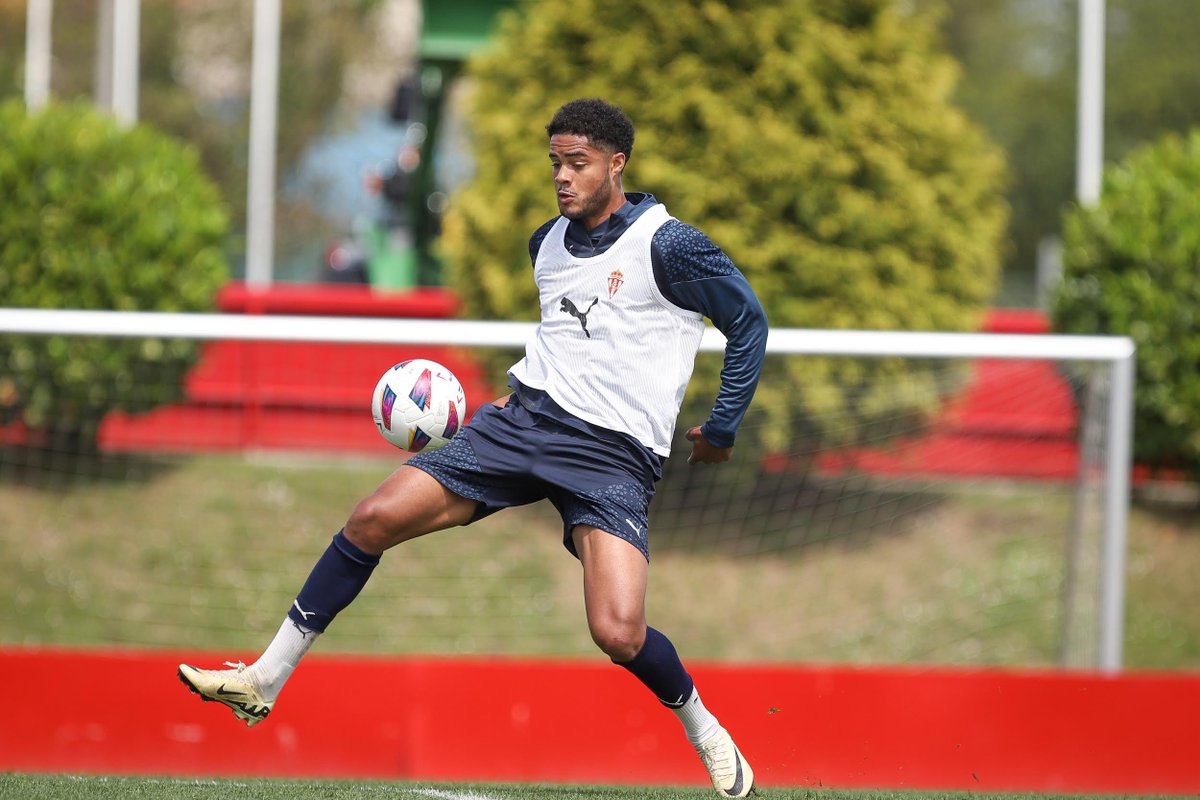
<point x="1112" y="358"/>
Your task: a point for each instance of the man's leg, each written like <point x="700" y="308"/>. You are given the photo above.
<point x="410" y="503"/>
<point x="615" y="575"/>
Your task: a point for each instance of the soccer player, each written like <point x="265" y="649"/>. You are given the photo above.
<point x="624" y="288"/>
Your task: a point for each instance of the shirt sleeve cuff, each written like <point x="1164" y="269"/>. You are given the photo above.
<point x="716" y="438"/>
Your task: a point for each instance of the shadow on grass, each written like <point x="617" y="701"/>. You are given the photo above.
<point x="750" y="511"/>
<point x="55" y="466"/>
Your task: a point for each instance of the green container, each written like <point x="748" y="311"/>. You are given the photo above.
<point x="391" y="259"/>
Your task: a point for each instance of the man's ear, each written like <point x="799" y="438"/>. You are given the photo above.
<point x="617" y="163"/>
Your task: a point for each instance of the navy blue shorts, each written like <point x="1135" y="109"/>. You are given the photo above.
<point x="511" y="456"/>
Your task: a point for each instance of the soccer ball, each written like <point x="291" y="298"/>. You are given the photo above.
<point x="418" y="405"/>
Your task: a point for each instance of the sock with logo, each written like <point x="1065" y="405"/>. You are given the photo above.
<point x="275" y="665"/>
<point x="336" y="579"/>
<point x="657" y="665"/>
<point x="698" y="721"/>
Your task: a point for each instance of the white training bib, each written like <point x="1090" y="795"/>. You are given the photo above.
<point x="610" y="349"/>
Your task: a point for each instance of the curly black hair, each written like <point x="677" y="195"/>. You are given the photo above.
<point x="602" y="123"/>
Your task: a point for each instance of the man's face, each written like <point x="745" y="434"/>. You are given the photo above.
<point x="586" y="178"/>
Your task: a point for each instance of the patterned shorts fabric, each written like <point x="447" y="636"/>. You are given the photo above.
<point x="510" y="456"/>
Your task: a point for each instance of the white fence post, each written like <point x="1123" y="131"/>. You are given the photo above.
<point x="126" y="51"/>
<point x="1089" y="166"/>
<point x="1116" y="515"/>
<point x="264" y="101"/>
<point x="38" y="17"/>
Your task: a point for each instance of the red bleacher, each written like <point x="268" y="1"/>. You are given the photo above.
<point x="1013" y="418"/>
<point x="246" y="395"/>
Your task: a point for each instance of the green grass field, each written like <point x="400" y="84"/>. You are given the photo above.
<point x="208" y="552"/>
<point x="74" y="787"/>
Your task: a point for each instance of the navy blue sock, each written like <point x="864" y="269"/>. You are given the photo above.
<point x="658" y="666"/>
<point x="339" y="575"/>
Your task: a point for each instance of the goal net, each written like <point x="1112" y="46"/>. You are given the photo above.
<point x="893" y="497"/>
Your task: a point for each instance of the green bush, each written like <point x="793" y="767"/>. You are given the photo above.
<point x="814" y="141"/>
<point x="1131" y="266"/>
<point x="93" y="216"/>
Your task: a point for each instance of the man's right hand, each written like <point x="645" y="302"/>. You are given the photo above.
<point x="704" y="452"/>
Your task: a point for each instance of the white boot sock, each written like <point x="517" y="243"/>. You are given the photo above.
<point x="275" y="665"/>
<point x="698" y="721"/>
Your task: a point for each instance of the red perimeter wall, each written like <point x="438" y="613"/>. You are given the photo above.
<point x="585" y="721"/>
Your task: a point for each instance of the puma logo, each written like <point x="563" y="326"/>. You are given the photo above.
<point x="570" y="308"/>
<point x="303" y="613"/>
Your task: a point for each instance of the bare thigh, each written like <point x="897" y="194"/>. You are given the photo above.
<point x="409" y="503"/>
<point x="615" y="575"/>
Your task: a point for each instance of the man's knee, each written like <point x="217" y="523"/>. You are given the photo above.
<point x="620" y="639"/>
<point x="373" y="526"/>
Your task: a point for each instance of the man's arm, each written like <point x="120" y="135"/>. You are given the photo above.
<point x="695" y="274"/>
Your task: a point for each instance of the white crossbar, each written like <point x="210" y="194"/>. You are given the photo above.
<point x="484" y="333"/>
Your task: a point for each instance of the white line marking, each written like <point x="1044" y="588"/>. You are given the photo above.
<point x="452" y="795"/>
<point x="387" y="790"/>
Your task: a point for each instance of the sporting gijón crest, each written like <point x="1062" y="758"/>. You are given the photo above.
<point x="615" y="279"/>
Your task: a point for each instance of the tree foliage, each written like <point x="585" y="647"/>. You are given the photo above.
<point x="813" y="140"/>
<point x="1130" y="268"/>
<point x="194" y="83"/>
<point x="96" y="217"/>
<point x="1020" y="79"/>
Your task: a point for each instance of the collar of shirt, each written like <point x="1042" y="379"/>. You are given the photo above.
<point x="582" y="243"/>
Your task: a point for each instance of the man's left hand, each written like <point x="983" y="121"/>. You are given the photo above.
<point x="703" y="452"/>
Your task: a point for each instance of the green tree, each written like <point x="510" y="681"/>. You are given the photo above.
<point x="1130" y="269"/>
<point x="1020" y="77"/>
<point x="1018" y="81"/>
<point x="1153" y="74"/>
<point x="814" y="141"/>
<point x="319" y="40"/>
<point x="96" y="217"/>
